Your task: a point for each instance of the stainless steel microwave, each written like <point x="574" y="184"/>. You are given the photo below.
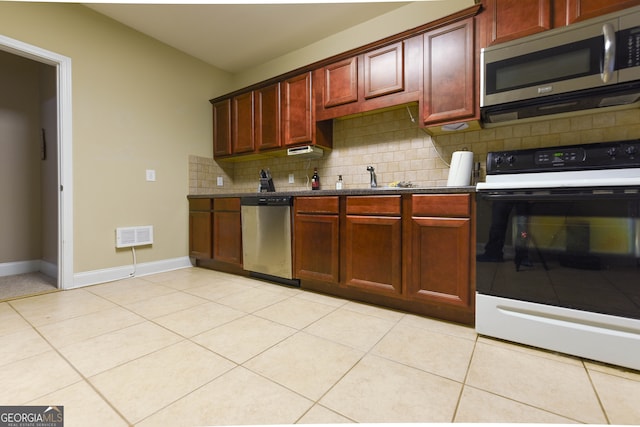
<point x="591" y="64"/>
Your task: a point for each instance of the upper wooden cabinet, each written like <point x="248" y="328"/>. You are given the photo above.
<point x="450" y="74"/>
<point x="341" y="82"/>
<point x="384" y="71"/>
<point x="379" y="78"/>
<point x="511" y="19"/>
<point x="505" y="20"/>
<point x="267" y="118"/>
<point x="242" y="130"/>
<point x="297" y="108"/>
<point x="579" y="10"/>
<point x="222" y="128"/>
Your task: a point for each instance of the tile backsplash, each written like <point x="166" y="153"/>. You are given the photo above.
<point x="401" y="151"/>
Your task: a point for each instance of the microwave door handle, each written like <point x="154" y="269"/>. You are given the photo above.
<point x="608" y="65"/>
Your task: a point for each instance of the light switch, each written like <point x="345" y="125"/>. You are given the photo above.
<point x="151" y="175"/>
<point x="291" y="179"/>
<point x="220" y="181"/>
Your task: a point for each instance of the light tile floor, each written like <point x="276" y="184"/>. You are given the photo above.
<point x="199" y="347"/>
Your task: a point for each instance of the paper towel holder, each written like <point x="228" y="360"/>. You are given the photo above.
<point x="460" y="168"/>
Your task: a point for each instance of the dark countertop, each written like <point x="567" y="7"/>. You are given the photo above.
<point x="348" y="192"/>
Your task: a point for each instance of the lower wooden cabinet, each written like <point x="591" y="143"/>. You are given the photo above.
<point x="200" y="228"/>
<point x="227" y="230"/>
<point x="413" y="252"/>
<point x="373" y="244"/>
<point x="316" y="239"/>
<point x="440" y="261"/>
<point x="441" y="251"/>
<point x="215" y="232"/>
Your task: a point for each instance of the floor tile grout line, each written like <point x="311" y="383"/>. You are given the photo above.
<point x="595" y="391"/>
<point x="464" y="380"/>
<point x="82" y="376"/>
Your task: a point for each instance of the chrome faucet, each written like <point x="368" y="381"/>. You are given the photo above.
<point x="374" y="183"/>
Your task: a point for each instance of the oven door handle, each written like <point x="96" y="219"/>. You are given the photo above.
<point x="553" y="196"/>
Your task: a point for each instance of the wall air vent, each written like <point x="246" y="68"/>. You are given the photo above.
<point x="134" y="236"/>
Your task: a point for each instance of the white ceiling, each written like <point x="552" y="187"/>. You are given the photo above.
<point x="237" y="37"/>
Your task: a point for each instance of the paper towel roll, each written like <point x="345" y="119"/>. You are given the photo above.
<point x="460" y="170"/>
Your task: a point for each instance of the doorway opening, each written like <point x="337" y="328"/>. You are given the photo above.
<point x="37" y="123"/>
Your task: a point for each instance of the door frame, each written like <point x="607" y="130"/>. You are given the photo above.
<point x="64" y="152"/>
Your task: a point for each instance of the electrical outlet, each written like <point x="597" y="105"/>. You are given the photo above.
<point x="151" y="175"/>
<point x="220" y="181"/>
<point x="291" y="179"/>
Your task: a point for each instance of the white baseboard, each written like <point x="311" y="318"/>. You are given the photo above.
<point x="19" y="267"/>
<point x="49" y="269"/>
<point x="94" y="277"/>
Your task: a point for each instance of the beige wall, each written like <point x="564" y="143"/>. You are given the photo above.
<point x="20" y="209"/>
<point x="400" y="151"/>
<point x="137" y="104"/>
<point x="404" y="18"/>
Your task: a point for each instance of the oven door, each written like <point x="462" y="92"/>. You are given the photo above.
<point x="560" y="269"/>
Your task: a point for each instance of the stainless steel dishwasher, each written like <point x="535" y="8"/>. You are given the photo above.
<point x="266" y="237"/>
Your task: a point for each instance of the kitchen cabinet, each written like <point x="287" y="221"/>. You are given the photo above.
<point x="267" y="127"/>
<point x="222" y="128"/>
<point x="242" y="130"/>
<point x="268" y="118"/>
<point x="441" y="251"/>
<point x="450" y="74"/>
<point x="200" y="228"/>
<point x="227" y="231"/>
<point x="505" y="20"/>
<point x="375" y="79"/>
<point x="300" y="125"/>
<point x="383" y="70"/>
<point x="341" y="82"/>
<point x="579" y="10"/>
<point x="373" y="244"/>
<point x="297" y="110"/>
<point x="316" y="239"/>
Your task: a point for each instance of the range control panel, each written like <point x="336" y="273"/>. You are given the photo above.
<point x="605" y="155"/>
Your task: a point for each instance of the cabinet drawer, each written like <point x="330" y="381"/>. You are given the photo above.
<point x="200" y="205"/>
<point x="453" y="205"/>
<point x="227" y="204"/>
<point x="317" y="205"/>
<point x="374" y="205"/>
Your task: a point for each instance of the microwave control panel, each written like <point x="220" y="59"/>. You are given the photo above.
<point x="628" y="42"/>
<point x="605" y="155"/>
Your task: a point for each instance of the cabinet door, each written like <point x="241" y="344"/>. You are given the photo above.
<point x="384" y="71"/>
<point x="579" y="10"/>
<point x="511" y="19"/>
<point x="341" y="82"/>
<point x="449" y="73"/>
<point x="242" y="130"/>
<point x="227" y="237"/>
<point x="200" y="235"/>
<point x="440" y="261"/>
<point x="297" y="111"/>
<point x="316" y="248"/>
<point x="373" y="254"/>
<point x="267" y="117"/>
<point x="222" y="128"/>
